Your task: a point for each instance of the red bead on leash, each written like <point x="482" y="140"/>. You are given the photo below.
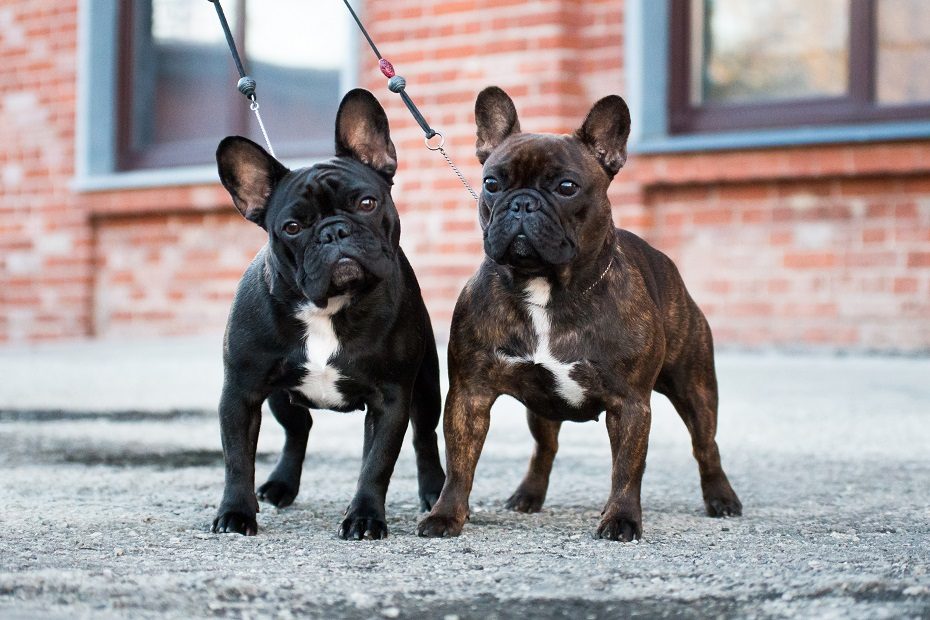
<point x="386" y="67"/>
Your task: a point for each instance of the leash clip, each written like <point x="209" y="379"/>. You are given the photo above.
<point x="432" y="144"/>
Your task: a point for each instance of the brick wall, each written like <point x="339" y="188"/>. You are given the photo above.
<point x="45" y="245"/>
<point x="823" y="246"/>
<point x="838" y="262"/>
<point x="802" y="247"/>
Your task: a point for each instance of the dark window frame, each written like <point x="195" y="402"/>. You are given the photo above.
<point x="858" y="105"/>
<point x="234" y="108"/>
<point x="177" y="153"/>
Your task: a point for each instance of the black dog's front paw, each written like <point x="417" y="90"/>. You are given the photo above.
<point x="620" y="527"/>
<point x="232" y="522"/>
<point x="428" y="500"/>
<point x="277" y="493"/>
<point x="430" y="486"/>
<point x="524" y="500"/>
<point x="363" y="528"/>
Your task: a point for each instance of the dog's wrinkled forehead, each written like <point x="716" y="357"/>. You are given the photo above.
<point x="527" y="159"/>
<point x="331" y="181"/>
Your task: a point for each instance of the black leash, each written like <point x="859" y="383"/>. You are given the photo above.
<point x="246" y="84"/>
<point x="396" y="84"/>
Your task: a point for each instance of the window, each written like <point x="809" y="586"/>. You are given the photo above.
<point x="739" y="65"/>
<point x="176" y="91"/>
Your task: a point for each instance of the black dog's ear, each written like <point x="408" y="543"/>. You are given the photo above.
<point x="249" y="174"/>
<point x="496" y="118"/>
<point x="362" y="132"/>
<point x="606" y="130"/>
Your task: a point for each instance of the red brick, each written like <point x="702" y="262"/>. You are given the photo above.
<point x="809" y="260"/>
<point x="874" y="235"/>
<point x="781" y="237"/>
<point x="918" y="259"/>
<point x="905" y="285"/>
<point x="712" y="216"/>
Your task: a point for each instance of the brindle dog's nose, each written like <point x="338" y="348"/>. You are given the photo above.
<point x="524" y="203"/>
<point x="334" y="232"/>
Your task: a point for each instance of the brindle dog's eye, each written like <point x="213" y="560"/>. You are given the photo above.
<point x="367" y="204"/>
<point x="491" y="185"/>
<point x="292" y="227"/>
<point x="567" y="188"/>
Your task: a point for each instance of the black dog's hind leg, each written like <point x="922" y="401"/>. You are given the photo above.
<point x="425" y="410"/>
<point x="284" y="482"/>
<point x="385" y="425"/>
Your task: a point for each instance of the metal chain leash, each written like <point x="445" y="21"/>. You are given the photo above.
<point x="455" y="169"/>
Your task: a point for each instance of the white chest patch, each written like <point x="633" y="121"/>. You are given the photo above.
<point x="321" y="344"/>
<point x="538" y="291"/>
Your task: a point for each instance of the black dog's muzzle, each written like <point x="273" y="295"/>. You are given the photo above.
<point x="333" y="230"/>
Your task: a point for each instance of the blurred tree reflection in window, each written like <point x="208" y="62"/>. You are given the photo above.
<point x="903" y="51"/>
<point x="753" y="51"/>
<point x="739" y="65"/>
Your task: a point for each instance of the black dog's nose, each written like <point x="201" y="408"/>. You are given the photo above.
<point x="524" y="203"/>
<point x="334" y="232"/>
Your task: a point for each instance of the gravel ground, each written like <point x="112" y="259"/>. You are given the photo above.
<point x="106" y="514"/>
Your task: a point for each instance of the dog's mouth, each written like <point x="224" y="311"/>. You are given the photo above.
<point x="521" y="252"/>
<point x="347" y="272"/>
<point x="343" y="271"/>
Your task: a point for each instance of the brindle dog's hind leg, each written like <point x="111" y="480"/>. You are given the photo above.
<point x="531" y="493"/>
<point x="691" y="386"/>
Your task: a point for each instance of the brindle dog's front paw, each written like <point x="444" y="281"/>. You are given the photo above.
<point x="720" y="499"/>
<point x="726" y="505"/>
<point x="525" y="500"/>
<point x="620" y="527"/>
<point x="232" y="522"/>
<point x="440" y="526"/>
<point x="355" y="527"/>
<point x="277" y="493"/>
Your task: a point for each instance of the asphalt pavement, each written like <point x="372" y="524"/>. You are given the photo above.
<point x="111" y="471"/>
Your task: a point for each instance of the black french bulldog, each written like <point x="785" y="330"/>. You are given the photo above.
<point x="329" y="315"/>
<point x="572" y="317"/>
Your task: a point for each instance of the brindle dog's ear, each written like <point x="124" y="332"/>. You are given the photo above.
<point x="496" y="118"/>
<point x="249" y="174"/>
<point x="605" y="131"/>
<point x="362" y="132"/>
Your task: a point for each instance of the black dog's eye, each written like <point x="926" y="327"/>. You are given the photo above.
<point x="367" y="204"/>
<point x="567" y="188"/>
<point x="491" y="185"/>
<point x="292" y="227"/>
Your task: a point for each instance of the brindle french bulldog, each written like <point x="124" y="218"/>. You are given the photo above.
<point x="572" y="317"/>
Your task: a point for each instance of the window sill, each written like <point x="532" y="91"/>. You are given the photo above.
<point x="161" y="177"/>
<point x="141" y="179"/>
<point x="796" y="136"/>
